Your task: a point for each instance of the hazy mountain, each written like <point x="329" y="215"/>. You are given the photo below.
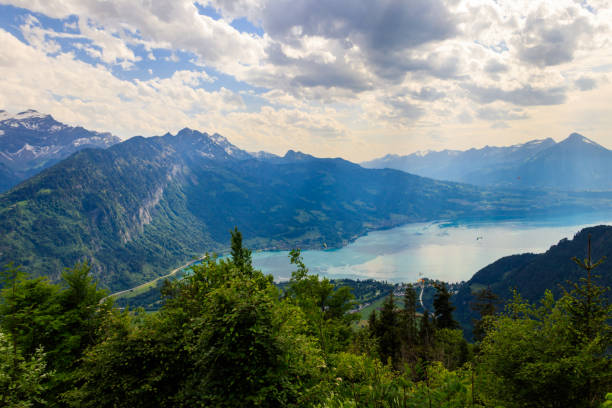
<point x="576" y="163"/>
<point x="532" y="274"/>
<point x="31" y="141"/>
<point x="146" y="205"/>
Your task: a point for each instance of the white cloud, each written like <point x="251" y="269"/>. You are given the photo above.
<point x="351" y="77"/>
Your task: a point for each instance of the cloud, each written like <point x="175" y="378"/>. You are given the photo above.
<point x="493" y="66"/>
<point x="89" y="95"/>
<point x="340" y="75"/>
<point x="377" y="37"/>
<point x="585" y="83"/>
<point x="499" y="114"/>
<point x="525" y="95"/>
<point x="428" y="93"/>
<point x="552" y="38"/>
<point x="500" y="125"/>
<point x="176" y="25"/>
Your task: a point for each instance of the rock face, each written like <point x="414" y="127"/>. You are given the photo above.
<point x="574" y="164"/>
<point x="31" y="141"/>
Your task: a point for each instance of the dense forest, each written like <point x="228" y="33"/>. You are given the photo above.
<point x="227" y="336"/>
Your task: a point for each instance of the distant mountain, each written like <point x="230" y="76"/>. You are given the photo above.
<point x="31" y="141"/>
<point x="146" y="205"/>
<point x="533" y="274"/>
<point x="574" y="164"/>
<point x="262" y="155"/>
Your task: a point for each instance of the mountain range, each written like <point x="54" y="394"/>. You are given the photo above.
<point x="146" y="205"/>
<point x="31" y="141"/>
<point x="574" y="164"/>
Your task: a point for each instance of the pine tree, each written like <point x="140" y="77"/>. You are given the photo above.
<point x="486" y="305"/>
<point x="241" y="257"/>
<point x="590" y="313"/>
<point x="425" y="329"/>
<point x="387" y="330"/>
<point x="408" y="316"/>
<point x="443" y="309"/>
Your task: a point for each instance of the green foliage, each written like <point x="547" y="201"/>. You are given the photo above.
<point x="485" y="305"/>
<point x="533" y="358"/>
<point x="361" y="381"/>
<point x="443" y="309"/>
<point x="325" y="306"/>
<point x="23" y="381"/>
<point x="608" y="401"/>
<point x="225" y="337"/>
<point x="62" y="320"/>
<point x="241" y="257"/>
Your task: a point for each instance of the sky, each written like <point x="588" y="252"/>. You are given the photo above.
<point x="351" y="78"/>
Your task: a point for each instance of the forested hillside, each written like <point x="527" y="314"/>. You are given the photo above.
<point x="533" y="274"/>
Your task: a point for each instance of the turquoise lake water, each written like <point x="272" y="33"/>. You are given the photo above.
<point x="449" y="251"/>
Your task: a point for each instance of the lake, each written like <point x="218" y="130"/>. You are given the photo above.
<point x="449" y="251"/>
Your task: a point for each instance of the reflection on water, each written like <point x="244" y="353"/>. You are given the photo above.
<point x="450" y="251"/>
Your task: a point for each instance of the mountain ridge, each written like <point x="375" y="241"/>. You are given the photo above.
<point x="31" y="141"/>
<point x="573" y="164"/>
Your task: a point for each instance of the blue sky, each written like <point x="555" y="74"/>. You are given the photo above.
<point x="350" y="78"/>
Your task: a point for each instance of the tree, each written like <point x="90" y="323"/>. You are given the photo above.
<point x="590" y="314"/>
<point x="533" y="359"/>
<point x="425" y="330"/>
<point x="324" y="305"/>
<point x="408" y="316"/>
<point x="23" y="382"/>
<point x="241" y="257"/>
<point x="225" y="337"/>
<point x="388" y="339"/>
<point x="443" y="309"/>
<point x="485" y="304"/>
<point x="61" y="319"/>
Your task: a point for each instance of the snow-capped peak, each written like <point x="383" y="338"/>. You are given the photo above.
<point x="422" y="153"/>
<point x="578" y="138"/>
<point x="30" y="114"/>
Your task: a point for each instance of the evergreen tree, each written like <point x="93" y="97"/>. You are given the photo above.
<point x="554" y="355"/>
<point x="590" y="314"/>
<point x="388" y="340"/>
<point x="241" y="257"/>
<point x="373" y="324"/>
<point x="408" y="316"/>
<point x="425" y="329"/>
<point x="443" y="309"/>
<point x="23" y="382"/>
<point x="485" y="304"/>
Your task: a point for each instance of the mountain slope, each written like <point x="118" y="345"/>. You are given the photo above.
<point x="532" y="274"/>
<point x="30" y="142"/>
<point x="147" y="205"/>
<point x="574" y="164"/>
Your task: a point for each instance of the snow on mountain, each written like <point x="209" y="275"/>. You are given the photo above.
<point x="212" y="146"/>
<point x="31" y="141"/>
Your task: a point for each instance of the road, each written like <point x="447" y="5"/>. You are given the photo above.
<point x="173" y="272"/>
